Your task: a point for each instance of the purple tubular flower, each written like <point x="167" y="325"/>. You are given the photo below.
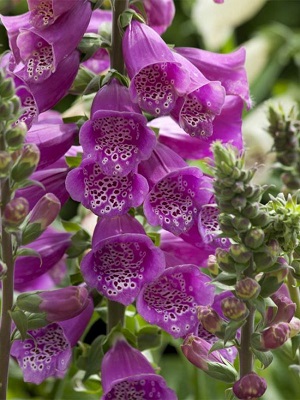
<point x="285" y="310"/>
<point x="250" y="386"/>
<point x="229" y="69"/>
<point x="99" y="62"/>
<point x="49" y="352"/>
<point x="126" y="372"/>
<point x="45" y="13"/>
<point x="122" y="259"/>
<point x="52" y="139"/>
<point x="104" y="195"/>
<point x="157" y="79"/>
<point x="117" y="136"/>
<point x="203" y="100"/>
<point x="171" y="300"/>
<point x="160" y="14"/>
<point x="51" y="246"/>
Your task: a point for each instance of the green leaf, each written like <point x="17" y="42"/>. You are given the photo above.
<point x="223" y="372"/>
<point x="71" y="226"/>
<point x="155" y="237"/>
<point x="76" y="279"/>
<point x="231" y="329"/>
<point x="259" y="304"/>
<point x="79" y="243"/>
<point x="20" y="319"/>
<point x="265" y="357"/>
<point x="148" y="337"/>
<point x="89" y="44"/>
<point x="94" y="357"/>
<point x="83" y="78"/>
<point x="94" y="85"/>
<point x="221" y="345"/>
<point x="27" y="182"/>
<point x="226" y="277"/>
<point x="295" y="344"/>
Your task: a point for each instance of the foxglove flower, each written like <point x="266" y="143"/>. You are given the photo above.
<point x="171" y="300"/>
<point x="250" y="386"/>
<point x="116" y="136"/>
<point x="50" y="246"/>
<point x="203" y="100"/>
<point x="49" y="350"/>
<point x="104" y="195"/>
<point x="177" y="191"/>
<point x="122" y="259"/>
<point x="125" y="372"/>
<point x="229" y="69"/>
<point x="285" y="309"/>
<point x="157" y="78"/>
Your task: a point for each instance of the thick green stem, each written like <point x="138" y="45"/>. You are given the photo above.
<point x="245" y="353"/>
<point x="116" y="310"/>
<point x="7" y="297"/>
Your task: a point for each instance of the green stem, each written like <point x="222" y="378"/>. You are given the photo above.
<point x="116" y="311"/>
<point x="7" y="297"/>
<point x="245" y="353"/>
<point x="294" y="293"/>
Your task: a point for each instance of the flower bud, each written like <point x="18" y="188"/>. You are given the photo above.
<point x="6" y="88"/>
<point x="224" y="260"/>
<point x="42" y="215"/>
<point x="251" y="210"/>
<point x="250" y="386"/>
<point x="225" y="223"/>
<point x="15" y="136"/>
<point x="56" y="305"/>
<point x="238" y="203"/>
<point x="241" y="224"/>
<point x="247" y="289"/>
<point x="3" y="270"/>
<point x="272" y="281"/>
<point x="210" y="320"/>
<point x="15" y="212"/>
<point x="27" y="162"/>
<point x="254" y="238"/>
<point x="240" y="253"/>
<point x="212" y="264"/>
<point x="234" y="309"/>
<point x="285" y="310"/>
<point x="295" y="326"/>
<point x="5" y="163"/>
<point x="261" y="220"/>
<point x="274" y="336"/>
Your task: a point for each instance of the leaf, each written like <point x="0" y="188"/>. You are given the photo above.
<point x="295" y="344"/>
<point x="94" y="85"/>
<point x="28" y="182"/>
<point x="231" y="329"/>
<point x="221" y="345"/>
<point x="148" y="337"/>
<point x="20" y="319"/>
<point x="265" y="357"/>
<point x="94" y="357"/>
<point x="71" y="226"/>
<point x="79" y="243"/>
<point x="76" y="279"/>
<point x="74" y="162"/>
<point x="259" y="304"/>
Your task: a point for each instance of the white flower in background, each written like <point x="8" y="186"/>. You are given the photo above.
<point x="216" y="22"/>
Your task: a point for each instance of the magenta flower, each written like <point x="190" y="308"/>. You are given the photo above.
<point x="122" y="259"/>
<point x="105" y="195"/>
<point x="203" y="100"/>
<point x="160" y="14"/>
<point x="157" y="78"/>
<point x="229" y="69"/>
<point x="117" y="136"/>
<point x="48" y="353"/>
<point x="171" y="300"/>
<point x="126" y="373"/>
<point x="285" y="309"/>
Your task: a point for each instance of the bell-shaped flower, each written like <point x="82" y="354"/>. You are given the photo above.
<point x="204" y="99"/>
<point x="117" y="136"/>
<point x="177" y="191"/>
<point x="100" y="60"/>
<point x="171" y="300"/>
<point x="228" y="68"/>
<point x="125" y="371"/>
<point x="123" y="259"/>
<point x="45" y="13"/>
<point x="48" y="352"/>
<point x="157" y="78"/>
<point x="105" y="195"/>
<point x="50" y="248"/>
<point x="285" y="309"/>
<point x="160" y="14"/>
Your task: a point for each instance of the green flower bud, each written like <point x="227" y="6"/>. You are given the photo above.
<point x="225" y="223"/>
<point x="247" y="289"/>
<point x="241" y="224"/>
<point x="238" y="203"/>
<point x="234" y="309"/>
<point x="15" y="212"/>
<point x="254" y="238"/>
<point x="15" y="136"/>
<point x="224" y="260"/>
<point x="296" y="271"/>
<point x="261" y="220"/>
<point x="272" y="281"/>
<point x="26" y="163"/>
<point x="212" y="264"/>
<point x="251" y="210"/>
<point x="7" y="89"/>
<point x="5" y="164"/>
<point x="240" y="253"/>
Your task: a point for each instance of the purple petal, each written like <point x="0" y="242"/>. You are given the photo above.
<point x="104" y="195"/>
<point x="160" y="14"/>
<point x="48" y="354"/>
<point x="209" y="228"/>
<point x="170" y="302"/>
<point x="119" y="266"/>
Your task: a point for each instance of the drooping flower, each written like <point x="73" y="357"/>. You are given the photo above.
<point x="228" y="68"/>
<point x="171" y="300"/>
<point x="177" y="191"/>
<point x="160" y="14"/>
<point x="157" y="79"/>
<point x="122" y="259"/>
<point x="117" y="136"/>
<point x="105" y="195"/>
<point x="49" y="350"/>
<point x="126" y="373"/>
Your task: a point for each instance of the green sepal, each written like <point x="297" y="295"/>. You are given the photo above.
<point x="114" y="74"/>
<point x="155" y="237"/>
<point x="27" y="182"/>
<point x="221" y="345"/>
<point x="94" y="85"/>
<point x="148" y="337"/>
<point x="265" y="357"/>
<point x="70" y="226"/>
<point x="31" y="232"/>
<point x="259" y="304"/>
<point x="139" y="5"/>
<point x="226" y="278"/>
<point x="76" y="279"/>
<point x="96" y="4"/>
<point x="223" y="372"/>
<point x="126" y="18"/>
<point x="29" y="302"/>
<point x="82" y="80"/>
<point x="232" y="328"/>
<point x="88" y="45"/>
<point x="74" y="161"/>
<point x="20" y="319"/>
<point x="79" y="243"/>
<point x="36" y="321"/>
<point x="229" y="394"/>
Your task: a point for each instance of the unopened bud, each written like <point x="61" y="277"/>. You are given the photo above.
<point x="15" y="136"/>
<point x="212" y="264"/>
<point x="15" y="212"/>
<point x="27" y="162"/>
<point x="210" y="320"/>
<point x="234" y="309"/>
<point x="251" y="210"/>
<point x="225" y="223"/>
<point x="240" y="253"/>
<point x="238" y="202"/>
<point x="224" y="260"/>
<point x="5" y="164"/>
<point x="275" y="336"/>
<point x="254" y="238"/>
<point x="261" y="220"/>
<point x="42" y="215"/>
<point x="250" y="386"/>
<point x="241" y="224"/>
<point x="272" y="281"/>
<point x="285" y="310"/>
<point x="247" y="289"/>
<point x="7" y="88"/>
<point x="295" y="326"/>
